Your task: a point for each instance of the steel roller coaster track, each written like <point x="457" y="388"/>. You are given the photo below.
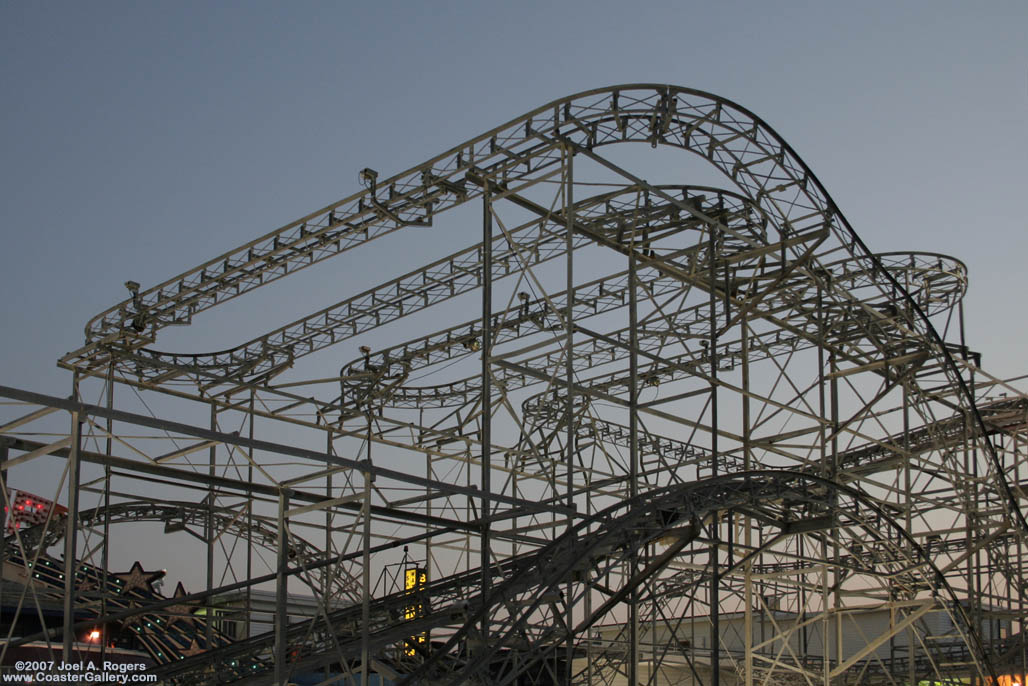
<point x="634" y="412"/>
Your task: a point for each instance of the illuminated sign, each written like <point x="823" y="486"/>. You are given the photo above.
<point x="414" y="581"/>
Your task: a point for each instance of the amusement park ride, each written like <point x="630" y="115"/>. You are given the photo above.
<point x="635" y="433"/>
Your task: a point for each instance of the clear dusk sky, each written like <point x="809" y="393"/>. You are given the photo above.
<point x="139" y="139"/>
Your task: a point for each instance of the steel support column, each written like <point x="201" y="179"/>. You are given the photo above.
<point x="209" y="533"/>
<point x="633" y="450"/>
<point x="569" y="376"/>
<point x="281" y="593"/>
<point x="366" y="566"/>
<point x="746" y="522"/>
<point x="715" y="581"/>
<point x="486" y="421"/>
<point x="71" y="536"/>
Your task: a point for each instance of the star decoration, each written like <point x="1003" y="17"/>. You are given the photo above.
<point x="193" y="649"/>
<point x="181" y="612"/>
<point x="138" y="578"/>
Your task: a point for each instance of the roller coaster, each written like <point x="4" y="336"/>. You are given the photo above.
<point x="618" y="412"/>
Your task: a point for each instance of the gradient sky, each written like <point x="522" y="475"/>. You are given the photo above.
<point x="138" y="140"/>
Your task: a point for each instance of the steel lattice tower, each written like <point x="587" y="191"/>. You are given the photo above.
<point x="651" y="433"/>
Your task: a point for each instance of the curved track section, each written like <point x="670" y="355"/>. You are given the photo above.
<point x="176" y="516"/>
<point x="538" y="624"/>
<point x="936" y="280"/>
<point x="729" y="137"/>
<point x="534" y="624"/>
<point x="676" y="404"/>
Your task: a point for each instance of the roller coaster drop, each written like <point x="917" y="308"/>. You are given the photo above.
<point x="675" y="406"/>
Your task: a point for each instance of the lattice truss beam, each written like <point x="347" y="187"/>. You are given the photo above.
<point x="651" y="432"/>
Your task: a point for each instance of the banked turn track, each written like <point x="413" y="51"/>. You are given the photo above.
<point x="811" y="493"/>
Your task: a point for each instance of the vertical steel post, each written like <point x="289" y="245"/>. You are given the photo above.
<point x="833" y="637"/>
<point x="633" y="449"/>
<point x="428" y="502"/>
<point x="1020" y="601"/>
<point x="326" y="582"/>
<point x="281" y="591"/>
<point x="588" y="604"/>
<point x="747" y="534"/>
<point x="569" y="370"/>
<point x="105" y="551"/>
<point x="828" y="405"/>
<point x="715" y="601"/>
<point x="487" y="390"/>
<point x="908" y="515"/>
<point x="366" y="571"/>
<point x="833" y="386"/>
<point x="822" y="410"/>
<point x="70" y="534"/>
<point x="248" y="599"/>
<point x="209" y="533"/>
<point x="973" y="501"/>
